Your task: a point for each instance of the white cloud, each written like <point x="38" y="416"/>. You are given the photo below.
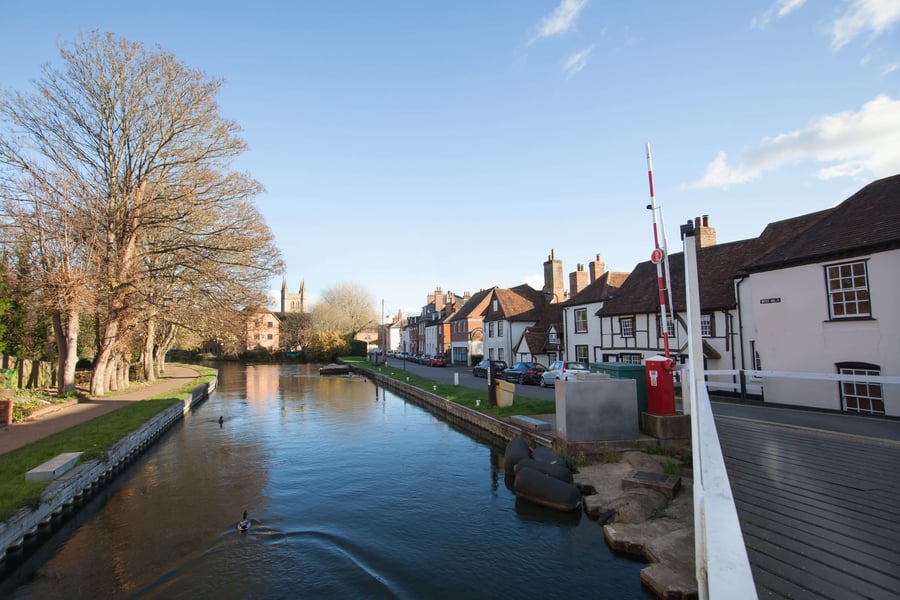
<point x="781" y="8"/>
<point x="576" y="62"/>
<point x="854" y="143"/>
<point x="560" y="20"/>
<point x="888" y="69"/>
<point x="876" y="16"/>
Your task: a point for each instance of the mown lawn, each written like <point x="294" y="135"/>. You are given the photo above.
<point x="473" y="398"/>
<point x="95" y="438"/>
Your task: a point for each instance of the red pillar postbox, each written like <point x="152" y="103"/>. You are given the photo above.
<point x="660" y="385"/>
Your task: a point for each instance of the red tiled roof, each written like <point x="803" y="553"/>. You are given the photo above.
<point x="472" y="305"/>
<point x="521" y="303"/>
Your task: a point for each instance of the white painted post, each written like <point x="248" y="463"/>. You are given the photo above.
<point x="455" y="378"/>
<point x="723" y="570"/>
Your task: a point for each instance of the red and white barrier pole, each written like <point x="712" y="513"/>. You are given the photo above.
<point x="657" y="257"/>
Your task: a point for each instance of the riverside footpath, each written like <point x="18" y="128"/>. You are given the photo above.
<point x="60" y="417"/>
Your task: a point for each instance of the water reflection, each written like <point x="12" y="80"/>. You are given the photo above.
<point x="353" y="493"/>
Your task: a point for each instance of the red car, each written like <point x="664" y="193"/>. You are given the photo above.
<point x="438" y="360"/>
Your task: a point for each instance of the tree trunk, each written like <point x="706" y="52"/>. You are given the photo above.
<point x="147" y="352"/>
<point x="163" y="346"/>
<point x="122" y="364"/>
<point x="100" y="375"/>
<point x="66" y="333"/>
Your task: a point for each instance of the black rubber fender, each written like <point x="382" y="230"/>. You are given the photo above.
<point x="560" y="472"/>
<point x="516" y="450"/>
<point x="534" y="486"/>
<point x="547" y="455"/>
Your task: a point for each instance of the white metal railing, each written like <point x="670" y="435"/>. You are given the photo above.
<point x="882" y="379"/>
<point x="722" y="566"/>
<point x="723" y="569"/>
<point x="770" y="384"/>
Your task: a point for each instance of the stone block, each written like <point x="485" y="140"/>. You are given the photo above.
<point x="596" y="409"/>
<point x="530" y="423"/>
<point x="667" y="485"/>
<point x="666" y="427"/>
<point x="54" y="467"/>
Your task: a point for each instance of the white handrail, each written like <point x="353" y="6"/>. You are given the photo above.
<point x="883" y="379"/>
<point x="722" y="566"/>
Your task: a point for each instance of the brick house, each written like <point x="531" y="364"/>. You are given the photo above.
<point x="261" y="329"/>
<point x="467" y="328"/>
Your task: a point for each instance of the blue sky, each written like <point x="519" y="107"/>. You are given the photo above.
<point x="409" y="145"/>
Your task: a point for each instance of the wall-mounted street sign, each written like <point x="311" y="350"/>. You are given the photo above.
<point x="769" y="300"/>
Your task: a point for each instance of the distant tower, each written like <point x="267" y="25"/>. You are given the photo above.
<point x="293" y="303"/>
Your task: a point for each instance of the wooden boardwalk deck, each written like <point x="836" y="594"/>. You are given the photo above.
<point x="820" y="512"/>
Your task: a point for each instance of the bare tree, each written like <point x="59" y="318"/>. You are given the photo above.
<point x="43" y="225"/>
<point x="141" y="139"/>
<point x="346" y="308"/>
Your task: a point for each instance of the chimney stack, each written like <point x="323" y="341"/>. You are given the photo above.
<point x="438" y="300"/>
<point x="704" y="235"/>
<point x="597" y="268"/>
<point x="553" y="278"/>
<point x="578" y="280"/>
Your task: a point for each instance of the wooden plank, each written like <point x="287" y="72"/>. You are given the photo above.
<point x="803" y="583"/>
<point x="819" y="512"/>
<point x="885" y="515"/>
<point x="875" y="569"/>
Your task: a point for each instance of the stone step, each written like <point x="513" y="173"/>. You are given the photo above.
<point x="530" y="423"/>
<point x="54" y="467"/>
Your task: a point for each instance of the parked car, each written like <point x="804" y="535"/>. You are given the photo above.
<point x="563" y="370"/>
<point x="524" y="372"/>
<point x="481" y="369"/>
<point x="438" y="360"/>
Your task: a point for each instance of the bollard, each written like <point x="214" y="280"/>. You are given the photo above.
<point x="455" y="378"/>
<point x="6" y="412"/>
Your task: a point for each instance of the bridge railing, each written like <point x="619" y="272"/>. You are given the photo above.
<point x="723" y="570"/>
<point x="813" y="390"/>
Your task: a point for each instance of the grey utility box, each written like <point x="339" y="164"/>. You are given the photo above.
<point x="597" y="408"/>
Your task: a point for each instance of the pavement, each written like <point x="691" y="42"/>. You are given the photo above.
<point x="76" y="412"/>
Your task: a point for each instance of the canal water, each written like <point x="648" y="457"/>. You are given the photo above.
<point x="352" y="493"/>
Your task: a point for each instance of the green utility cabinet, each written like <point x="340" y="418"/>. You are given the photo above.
<point x="621" y="370"/>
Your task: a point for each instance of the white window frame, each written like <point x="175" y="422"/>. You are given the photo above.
<point x="707" y="324"/>
<point x="864" y="395"/>
<point x="582" y="353"/>
<point x="581" y="322"/>
<point x="631" y="326"/>
<point x="847" y="286"/>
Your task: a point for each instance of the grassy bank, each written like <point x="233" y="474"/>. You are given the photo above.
<point x="95" y="438"/>
<point x="473" y="398"/>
